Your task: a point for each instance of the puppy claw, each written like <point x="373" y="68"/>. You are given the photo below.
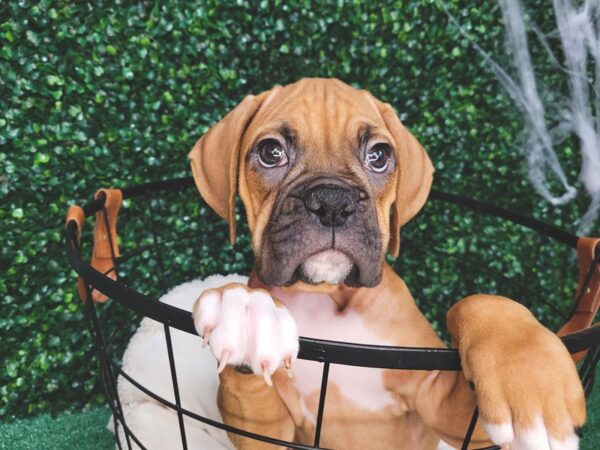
<point x="206" y="336"/>
<point x="267" y="377"/>
<point x="266" y="373"/>
<point x="223" y="361"/>
<point x="287" y="362"/>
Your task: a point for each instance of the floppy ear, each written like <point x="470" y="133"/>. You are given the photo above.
<point x="215" y="159"/>
<point x="415" y="175"/>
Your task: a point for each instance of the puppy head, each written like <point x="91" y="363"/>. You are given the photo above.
<point x="327" y="173"/>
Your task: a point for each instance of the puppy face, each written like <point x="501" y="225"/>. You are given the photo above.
<point x="319" y="166"/>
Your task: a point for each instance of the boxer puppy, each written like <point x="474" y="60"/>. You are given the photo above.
<point x="328" y="175"/>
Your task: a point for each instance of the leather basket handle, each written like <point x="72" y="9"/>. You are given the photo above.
<point x="587" y="295"/>
<point x="76" y="214"/>
<point x="106" y="247"/>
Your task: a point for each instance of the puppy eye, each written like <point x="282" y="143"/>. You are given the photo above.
<point x="271" y="154"/>
<point x="378" y="158"/>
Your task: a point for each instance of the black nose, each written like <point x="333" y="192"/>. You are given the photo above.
<point x="332" y="204"/>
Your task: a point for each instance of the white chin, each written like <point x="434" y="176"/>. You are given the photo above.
<point x="329" y="266"/>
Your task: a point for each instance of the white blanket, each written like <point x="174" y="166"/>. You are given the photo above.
<point x="146" y="360"/>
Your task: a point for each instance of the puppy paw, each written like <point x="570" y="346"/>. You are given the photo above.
<point x="246" y="328"/>
<point x="528" y="392"/>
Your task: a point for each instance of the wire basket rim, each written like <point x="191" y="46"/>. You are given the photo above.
<point x="335" y="352"/>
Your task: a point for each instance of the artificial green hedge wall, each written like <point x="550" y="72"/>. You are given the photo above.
<point x="97" y="94"/>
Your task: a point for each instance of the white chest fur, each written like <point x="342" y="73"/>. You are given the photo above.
<point x="317" y="317"/>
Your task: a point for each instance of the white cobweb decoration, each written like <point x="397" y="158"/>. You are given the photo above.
<point x="546" y="126"/>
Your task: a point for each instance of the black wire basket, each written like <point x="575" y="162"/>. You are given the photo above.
<point x="164" y="233"/>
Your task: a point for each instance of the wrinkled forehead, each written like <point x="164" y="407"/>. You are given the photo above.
<point x="319" y="113"/>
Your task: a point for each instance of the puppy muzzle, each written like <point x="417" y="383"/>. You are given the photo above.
<point x="322" y="230"/>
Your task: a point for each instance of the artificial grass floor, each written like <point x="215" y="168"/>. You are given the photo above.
<point x="87" y="430"/>
<point x="74" y="431"/>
